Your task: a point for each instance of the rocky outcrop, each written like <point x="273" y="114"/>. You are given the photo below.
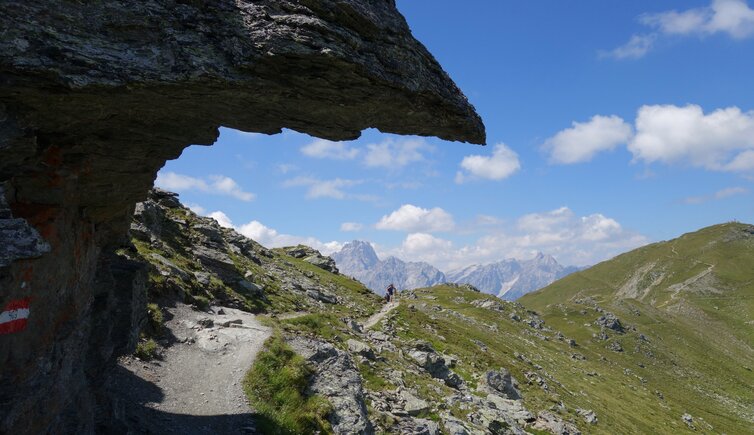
<point x="337" y="379"/>
<point x="311" y="255"/>
<point x="96" y="96"/>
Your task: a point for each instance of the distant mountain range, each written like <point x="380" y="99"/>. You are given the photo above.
<point x="508" y="279"/>
<point x="359" y="260"/>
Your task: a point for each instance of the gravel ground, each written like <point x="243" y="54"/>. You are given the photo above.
<point x="195" y="387"/>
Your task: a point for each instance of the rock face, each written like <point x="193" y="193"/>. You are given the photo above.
<point x="337" y="379"/>
<point x="95" y="97"/>
<point x="358" y="259"/>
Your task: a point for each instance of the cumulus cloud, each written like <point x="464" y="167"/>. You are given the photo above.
<point x="221" y="219"/>
<point x="720" y="194"/>
<point x="416" y="219"/>
<point x="722" y="140"/>
<point x="585" y="139"/>
<point x="351" y="226"/>
<point x="636" y="47"/>
<point x="335" y="188"/>
<point x="396" y="153"/>
<point x="325" y="149"/>
<point x="731" y="17"/>
<point x="214" y="184"/>
<point x="271" y="238"/>
<point x="572" y="239"/>
<point x="501" y="164"/>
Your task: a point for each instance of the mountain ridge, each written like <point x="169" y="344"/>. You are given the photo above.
<point x="508" y="279"/>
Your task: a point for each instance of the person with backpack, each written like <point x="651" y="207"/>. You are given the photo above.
<point x="390" y="293"/>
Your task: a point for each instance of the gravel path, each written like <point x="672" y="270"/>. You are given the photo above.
<point x="371" y="321"/>
<point x="196" y="387"/>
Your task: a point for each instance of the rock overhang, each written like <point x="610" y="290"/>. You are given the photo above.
<point x="96" y="96"/>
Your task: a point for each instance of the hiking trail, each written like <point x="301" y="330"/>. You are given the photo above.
<point x="376" y="317"/>
<point x="196" y="387"/>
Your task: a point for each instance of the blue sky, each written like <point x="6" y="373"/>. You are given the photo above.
<point x="610" y="125"/>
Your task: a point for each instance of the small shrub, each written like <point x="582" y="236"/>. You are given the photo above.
<point x="146" y="349"/>
<point x="275" y="386"/>
<point x="154" y="317"/>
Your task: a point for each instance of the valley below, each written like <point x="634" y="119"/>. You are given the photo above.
<point x="654" y="341"/>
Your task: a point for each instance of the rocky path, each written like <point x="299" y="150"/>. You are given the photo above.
<point x="196" y="388"/>
<point x="371" y="321"/>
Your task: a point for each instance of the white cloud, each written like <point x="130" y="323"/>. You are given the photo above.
<point x="501" y="164"/>
<point x="583" y="140"/>
<point x="214" y="184"/>
<point x="720" y="194"/>
<point x="722" y="140"/>
<point x="351" y="226"/>
<point x="396" y="153"/>
<point x="196" y="208"/>
<point x="635" y="48"/>
<point x="334" y="188"/>
<point x="221" y="219"/>
<point x="325" y="149"/>
<point x="271" y="238"/>
<point x="732" y="17"/>
<point x="416" y="219"/>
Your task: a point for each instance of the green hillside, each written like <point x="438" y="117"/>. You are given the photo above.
<point x="692" y="299"/>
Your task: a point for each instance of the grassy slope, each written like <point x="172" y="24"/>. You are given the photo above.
<point x="700" y="326"/>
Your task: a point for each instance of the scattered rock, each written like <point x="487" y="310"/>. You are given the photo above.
<point x="589" y="416"/>
<point x="360" y="348"/>
<point x="688" y="419"/>
<point x="412" y="404"/>
<point x="610" y="321"/>
<point x="615" y="346"/>
<point x="499" y="382"/>
<point x="551" y="422"/>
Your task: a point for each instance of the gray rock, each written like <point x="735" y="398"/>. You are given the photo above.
<point x="589" y="416"/>
<point x="337" y="379"/>
<point x="499" y="382"/>
<point x="252" y="288"/>
<point x="322" y="297"/>
<point x="610" y="321"/>
<point x="416" y="426"/>
<point x="689" y="420"/>
<point x="360" y="348"/>
<point x="552" y="423"/>
<point x="435" y="365"/>
<point x="412" y="404"/>
<point x="513" y="409"/>
<point x="18" y="239"/>
<point x="169" y="268"/>
<point x="203" y="278"/>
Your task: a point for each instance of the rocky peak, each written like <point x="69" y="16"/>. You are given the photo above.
<point x="361" y="255"/>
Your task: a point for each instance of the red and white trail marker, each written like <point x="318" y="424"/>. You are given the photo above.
<point x="14" y="316"/>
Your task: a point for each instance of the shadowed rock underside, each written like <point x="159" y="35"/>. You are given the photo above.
<point x="96" y="96"/>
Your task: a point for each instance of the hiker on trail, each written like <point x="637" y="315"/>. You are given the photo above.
<point x="390" y="293"/>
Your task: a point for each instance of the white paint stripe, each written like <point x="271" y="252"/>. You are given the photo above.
<point x="9" y="316"/>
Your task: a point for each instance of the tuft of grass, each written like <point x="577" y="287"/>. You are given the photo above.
<point x="154" y="316"/>
<point x="275" y="386"/>
<point x="320" y="324"/>
<point x="146" y="349"/>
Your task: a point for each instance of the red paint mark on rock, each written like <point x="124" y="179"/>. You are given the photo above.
<point x="14" y="317"/>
